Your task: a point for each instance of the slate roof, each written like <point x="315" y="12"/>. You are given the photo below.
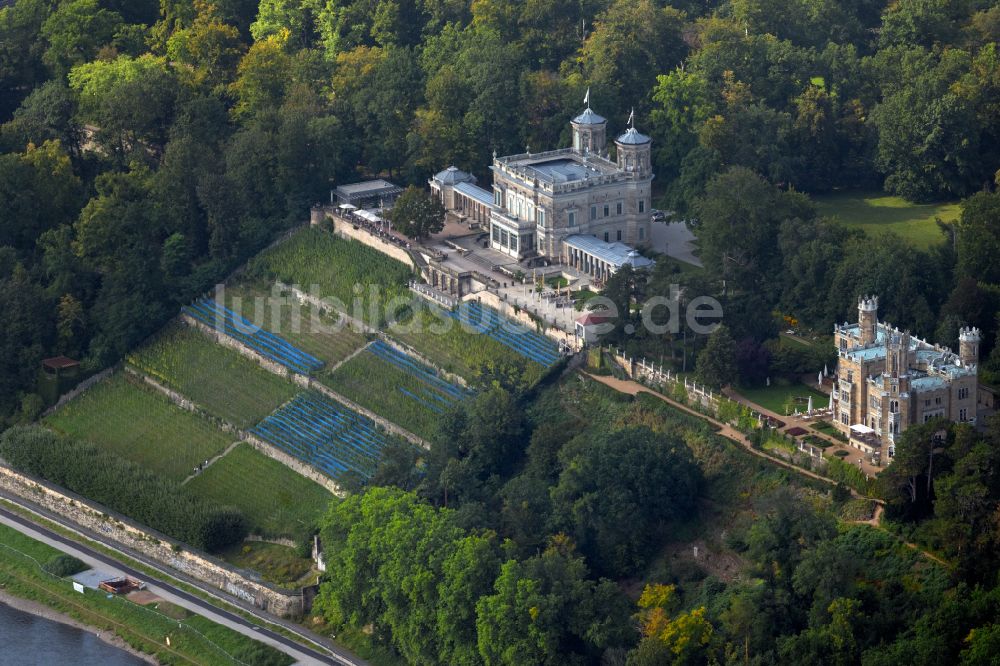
<point x="588" y="117"/>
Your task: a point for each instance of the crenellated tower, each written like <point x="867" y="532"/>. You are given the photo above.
<point x="968" y="345"/>
<point x="867" y="319"/>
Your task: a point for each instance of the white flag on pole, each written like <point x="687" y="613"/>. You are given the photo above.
<point x="586" y="98"/>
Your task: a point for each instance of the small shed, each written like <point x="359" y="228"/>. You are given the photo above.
<point x="590" y="326"/>
<point x="57" y="375"/>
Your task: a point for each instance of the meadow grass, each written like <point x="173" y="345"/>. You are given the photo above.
<point x="216" y="378"/>
<point x="277" y="564"/>
<point x="875" y="212"/>
<point x="276" y="500"/>
<point x="123" y="415"/>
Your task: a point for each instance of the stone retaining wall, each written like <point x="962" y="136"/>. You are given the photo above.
<point x="350" y="404"/>
<point x="268" y="450"/>
<point x="233" y="343"/>
<point x="344" y="228"/>
<point x="523" y="317"/>
<point x="357" y="325"/>
<point x="175" y="555"/>
<point x="79" y="388"/>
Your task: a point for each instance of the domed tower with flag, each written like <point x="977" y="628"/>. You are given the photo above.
<point x="590" y="130"/>
<point x="633" y="149"/>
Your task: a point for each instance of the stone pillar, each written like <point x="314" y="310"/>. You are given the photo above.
<point x="316" y="216"/>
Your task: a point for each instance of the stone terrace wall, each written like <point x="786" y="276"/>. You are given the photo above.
<point x="100" y="520"/>
<point x="344" y="228"/>
<point x="522" y="317"/>
<point x="268" y="450"/>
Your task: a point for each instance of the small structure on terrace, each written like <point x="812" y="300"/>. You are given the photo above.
<point x="376" y="193"/>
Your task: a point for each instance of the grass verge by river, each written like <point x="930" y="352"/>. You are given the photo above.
<point x="195" y="640"/>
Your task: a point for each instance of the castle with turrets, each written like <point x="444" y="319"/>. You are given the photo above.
<point x="888" y="380"/>
<point x="576" y="205"/>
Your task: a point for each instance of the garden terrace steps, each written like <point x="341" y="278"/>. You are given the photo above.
<point x="263" y="447"/>
<point x="264" y="343"/>
<point x="324" y="434"/>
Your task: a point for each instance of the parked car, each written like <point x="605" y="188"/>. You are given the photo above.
<point x="658" y="216"/>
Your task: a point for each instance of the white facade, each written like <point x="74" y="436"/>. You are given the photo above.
<point x="540" y="199"/>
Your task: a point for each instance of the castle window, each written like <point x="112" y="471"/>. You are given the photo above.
<point x="963" y="415"/>
<point x="619" y="234"/>
<point x="607" y="210"/>
<point x="642" y="205"/>
<point x="540" y="214"/>
<point x="937" y="400"/>
<point x="593" y="212"/>
<point x="571" y="218"/>
<point x="497" y="197"/>
<point x="496" y="234"/>
<point x="963" y="393"/>
<point x="618" y="208"/>
<point x="605" y="236"/>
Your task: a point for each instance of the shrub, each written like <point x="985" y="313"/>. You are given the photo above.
<point x="63" y="565"/>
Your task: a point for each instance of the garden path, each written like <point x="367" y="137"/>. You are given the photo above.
<point x="211" y="461"/>
<point x="853" y="456"/>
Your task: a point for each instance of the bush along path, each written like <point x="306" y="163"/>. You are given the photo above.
<point x="630" y="387"/>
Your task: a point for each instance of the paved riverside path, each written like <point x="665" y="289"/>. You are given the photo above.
<point x="98" y="560"/>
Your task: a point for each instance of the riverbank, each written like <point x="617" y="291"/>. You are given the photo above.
<point x="45" y="612"/>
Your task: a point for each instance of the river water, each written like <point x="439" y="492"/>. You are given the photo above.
<point x="27" y="640"/>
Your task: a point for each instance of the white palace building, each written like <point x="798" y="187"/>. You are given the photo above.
<point x="572" y="205"/>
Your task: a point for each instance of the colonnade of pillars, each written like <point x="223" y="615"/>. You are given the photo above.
<point x="444" y="282"/>
<point x="589" y="264"/>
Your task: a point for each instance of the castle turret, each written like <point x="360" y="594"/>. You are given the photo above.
<point x="968" y="345"/>
<point x="590" y="132"/>
<point x="633" y="150"/>
<point x="867" y="319"/>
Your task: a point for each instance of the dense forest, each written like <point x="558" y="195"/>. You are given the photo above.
<point x="556" y="527"/>
<point x="148" y="147"/>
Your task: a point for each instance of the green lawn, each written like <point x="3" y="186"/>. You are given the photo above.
<point x="217" y="378"/>
<point x="193" y="639"/>
<point x="319" y="334"/>
<point x="875" y="212"/>
<point x="123" y="415"/>
<point x="781" y="398"/>
<point x="276" y="500"/>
